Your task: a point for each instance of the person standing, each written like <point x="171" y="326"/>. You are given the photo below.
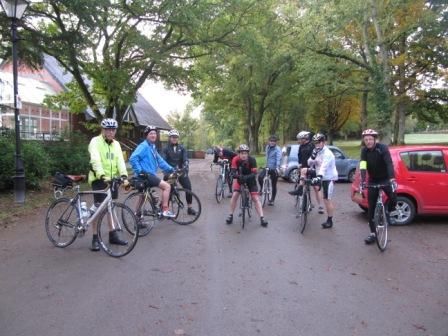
<point x="377" y="162"/>
<point x="176" y="155"/>
<point x="306" y="148"/>
<point x="273" y="157"/>
<point x="106" y="162"/>
<point x="145" y="161"/>
<point x="244" y="170"/>
<point x="324" y="162"/>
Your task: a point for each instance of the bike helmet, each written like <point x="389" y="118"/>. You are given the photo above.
<point x="173" y="133"/>
<point x="109" y="123"/>
<point x="371" y="132"/>
<point x="149" y="128"/>
<point x="319" y="137"/>
<point x="303" y="135"/>
<point x="273" y="138"/>
<point x="243" y="148"/>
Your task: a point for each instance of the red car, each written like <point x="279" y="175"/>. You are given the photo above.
<point x="422" y="177"/>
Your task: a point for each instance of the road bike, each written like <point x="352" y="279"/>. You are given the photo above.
<point x="380" y="218"/>
<point x="223" y="181"/>
<point x="67" y="219"/>
<point x="145" y="203"/>
<point x="266" y="188"/>
<point x="303" y="204"/>
<point x="245" y="204"/>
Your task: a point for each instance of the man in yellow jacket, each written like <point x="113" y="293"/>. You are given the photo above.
<point x="106" y="162"/>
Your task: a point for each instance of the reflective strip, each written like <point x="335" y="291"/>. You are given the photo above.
<point x="363" y="165"/>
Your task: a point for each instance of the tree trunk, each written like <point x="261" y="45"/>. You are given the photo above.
<point x="364" y="100"/>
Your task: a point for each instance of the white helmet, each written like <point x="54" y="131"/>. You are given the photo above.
<point x="303" y="135"/>
<point x="109" y="123"/>
<point x="173" y="133"/>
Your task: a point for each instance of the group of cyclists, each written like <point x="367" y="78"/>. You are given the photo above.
<point x="316" y="162"/>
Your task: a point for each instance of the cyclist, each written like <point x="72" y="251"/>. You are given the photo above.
<point x="376" y="161"/>
<point x="324" y="162"/>
<point x="244" y="170"/>
<point x="176" y="155"/>
<point x="221" y="153"/>
<point x="305" y="150"/>
<point x="106" y="162"/>
<point x="145" y="161"/>
<point x="273" y="157"/>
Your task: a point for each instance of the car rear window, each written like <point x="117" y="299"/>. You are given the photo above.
<point x="424" y="161"/>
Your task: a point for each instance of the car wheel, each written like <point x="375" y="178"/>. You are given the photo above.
<point x="405" y="211"/>
<point x="293" y="175"/>
<point x="351" y="175"/>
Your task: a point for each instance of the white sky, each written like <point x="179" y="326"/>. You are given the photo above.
<point x="163" y="100"/>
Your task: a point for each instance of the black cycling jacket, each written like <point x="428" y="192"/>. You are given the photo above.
<point x="305" y="153"/>
<point x="379" y="163"/>
<point x="175" y="155"/>
<point x="226" y="154"/>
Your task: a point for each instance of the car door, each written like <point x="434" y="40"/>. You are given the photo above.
<point x="426" y="172"/>
<point x="341" y="162"/>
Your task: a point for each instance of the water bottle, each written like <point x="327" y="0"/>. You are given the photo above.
<point x="92" y="209"/>
<point x="85" y="213"/>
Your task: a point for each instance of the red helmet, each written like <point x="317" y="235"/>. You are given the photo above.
<point x="371" y="132"/>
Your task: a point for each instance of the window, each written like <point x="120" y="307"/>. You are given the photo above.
<point x="337" y="154"/>
<point x="424" y="161"/>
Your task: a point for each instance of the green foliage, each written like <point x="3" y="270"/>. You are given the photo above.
<point x="34" y="157"/>
<point x="186" y="125"/>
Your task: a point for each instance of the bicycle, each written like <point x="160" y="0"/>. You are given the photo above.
<point x="266" y="188"/>
<point x="223" y="180"/>
<point x="245" y="203"/>
<point x="303" y="204"/>
<point x="63" y="183"/>
<point x="145" y="204"/>
<point x="66" y="219"/>
<point x="379" y="216"/>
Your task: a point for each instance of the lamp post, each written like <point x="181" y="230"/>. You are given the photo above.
<point x="14" y="9"/>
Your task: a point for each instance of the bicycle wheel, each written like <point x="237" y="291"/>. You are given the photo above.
<point x="270" y="194"/>
<point x="126" y="226"/>
<point x="380" y="227"/>
<point x="264" y="192"/>
<point x="179" y="206"/>
<point x="304" y="211"/>
<point x="147" y="216"/>
<point x="60" y="222"/>
<point x="219" y="191"/>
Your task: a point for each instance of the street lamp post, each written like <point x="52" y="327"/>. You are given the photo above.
<point x="14" y="9"/>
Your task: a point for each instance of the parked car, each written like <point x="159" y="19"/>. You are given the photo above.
<point x="421" y="174"/>
<point x="288" y="168"/>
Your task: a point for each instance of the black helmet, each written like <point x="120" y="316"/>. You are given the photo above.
<point x="273" y="137"/>
<point x="149" y="128"/>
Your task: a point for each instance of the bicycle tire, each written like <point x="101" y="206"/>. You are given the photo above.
<point x="147" y="216"/>
<point x="264" y="192"/>
<point x="60" y="222"/>
<point x="381" y="225"/>
<point x="178" y="205"/>
<point x="270" y="192"/>
<point x="219" y="190"/>
<point x="126" y="226"/>
<point x="304" y="212"/>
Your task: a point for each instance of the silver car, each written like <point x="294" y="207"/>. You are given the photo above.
<point x="345" y="166"/>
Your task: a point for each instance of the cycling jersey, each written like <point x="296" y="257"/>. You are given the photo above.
<point x="325" y="164"/>
<point x="106" y="159"/>
<point x="377" y="162"/>
<point x="304" y="154"/>
<point x="146" y="159"/>
<point x="175" y="155"/>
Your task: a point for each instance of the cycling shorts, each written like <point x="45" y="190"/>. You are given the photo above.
<point x="252" y="185"/>
<point x="153" y="181"/>
<point x="328" y="189"/>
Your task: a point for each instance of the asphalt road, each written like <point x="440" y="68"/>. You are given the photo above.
<point x="212" y="279"/>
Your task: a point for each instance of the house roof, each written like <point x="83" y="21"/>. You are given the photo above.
<point x="143" y="113"/>
<point x="30" y="90"/>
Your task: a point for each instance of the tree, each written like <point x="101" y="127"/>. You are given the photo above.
<point x="112" y="47"/>
<point x="186" y="125"/>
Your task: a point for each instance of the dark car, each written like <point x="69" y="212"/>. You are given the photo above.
<point x="345" y="166"/>
<point x="422" y="177"/>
